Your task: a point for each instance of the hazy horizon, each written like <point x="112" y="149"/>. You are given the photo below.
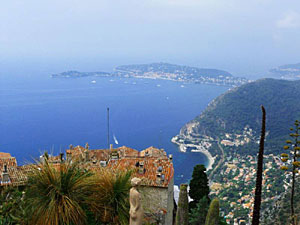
<point x="243" y="38"/>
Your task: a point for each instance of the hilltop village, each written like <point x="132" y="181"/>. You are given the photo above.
<point x="151" y="165"/>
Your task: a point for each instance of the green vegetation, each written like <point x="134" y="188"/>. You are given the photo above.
<point x="293" y="148"/>
<point x="12" y="207"/>
<point x="198" y="214"/>
<point x="198" y="186"/>
<point x="68" y="194"/>
<point x="212" y="217"/>
<point x="110" y="196"/>
<point x="58" y="195"/>
<point x="259" y="173"/>
<point x="182" y="215"/>
<point x="239" y="108"/>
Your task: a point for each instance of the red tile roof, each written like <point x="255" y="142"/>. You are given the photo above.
<point x="151" y="164"/>
<point x="158" y="168"/>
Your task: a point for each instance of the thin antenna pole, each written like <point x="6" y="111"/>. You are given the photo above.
<point x="107" y="128"/>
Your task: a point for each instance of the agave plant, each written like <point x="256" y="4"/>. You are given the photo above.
<point x="111" y="196"/>
<point x="57" y="194"/>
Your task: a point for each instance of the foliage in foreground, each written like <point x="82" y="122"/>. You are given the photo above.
<point x="198" y="186"/>
<point x="68" y="194"/>
<point x="111" y="196"/>
<point x="182" y="215"/>
<point x="259" y="174"/>
<point x="213" y="216"/>
<point x="58" y="195"/>
<point x="198" y="214"/>
<point x="293" y="152"/>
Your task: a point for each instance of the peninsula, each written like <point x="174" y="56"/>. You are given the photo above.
<point x="288" y="72"/>
<point x="165" y="71"/>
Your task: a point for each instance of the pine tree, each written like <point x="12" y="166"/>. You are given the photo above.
<point x="213" y="216"/>
<point x="293" y="148"/>
<point x="258" y="188"/>
<point x="198" y="186"/>
<point x="182" y="215"/>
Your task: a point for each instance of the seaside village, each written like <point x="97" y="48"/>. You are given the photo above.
<point x="152" y="166"/>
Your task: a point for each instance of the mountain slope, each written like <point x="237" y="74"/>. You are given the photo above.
<point x="239" y="108"/>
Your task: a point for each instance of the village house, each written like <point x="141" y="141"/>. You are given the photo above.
<point x="11" y="173"/>
<point x="151" y="165"/>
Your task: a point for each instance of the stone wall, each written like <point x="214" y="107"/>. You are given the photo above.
<point x="158" y="204"/>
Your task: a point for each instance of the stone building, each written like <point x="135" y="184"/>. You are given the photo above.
<point x="151" y="165"/>
<point x="10" y="172"/>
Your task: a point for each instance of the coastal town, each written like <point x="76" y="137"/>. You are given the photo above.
<point x="233" y="174"/>
<point x="164" y="71"/>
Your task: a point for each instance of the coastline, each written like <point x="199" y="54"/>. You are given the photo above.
<point x="197" y="148"/>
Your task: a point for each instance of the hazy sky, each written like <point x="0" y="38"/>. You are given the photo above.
<point x="240" y="36"/>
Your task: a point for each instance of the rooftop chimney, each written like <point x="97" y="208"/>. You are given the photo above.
<point x="61" y="156"/>
<point x="5" y="176"/>
<point x="87" y="158"/>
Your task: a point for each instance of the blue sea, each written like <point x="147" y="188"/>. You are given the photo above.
<point x="39" y="113"/>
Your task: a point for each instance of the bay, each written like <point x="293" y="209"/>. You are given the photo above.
<point x="39" y="113"/>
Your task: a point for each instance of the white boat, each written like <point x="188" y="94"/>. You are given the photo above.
<point x="115" y="139"/>
<point x="93" y="82"/>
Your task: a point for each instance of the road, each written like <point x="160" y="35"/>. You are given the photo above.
<point x="221" y="161"/>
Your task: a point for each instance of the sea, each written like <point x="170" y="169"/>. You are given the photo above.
<point x="40" y="113"/>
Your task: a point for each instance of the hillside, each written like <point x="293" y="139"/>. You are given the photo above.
<point x="239" y="109"/>
<point x="229" y="128"/>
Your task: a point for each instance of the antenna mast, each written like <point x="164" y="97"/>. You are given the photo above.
<point x="107" y="128"/>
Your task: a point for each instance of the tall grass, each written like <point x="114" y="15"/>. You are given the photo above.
<point x="57" y="195"/>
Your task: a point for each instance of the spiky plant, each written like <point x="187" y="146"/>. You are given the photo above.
<point x="258" y="187"/>
<point x="293" y="154"/>
<point x="56" y="195"/>
<point x="111" y="196"/>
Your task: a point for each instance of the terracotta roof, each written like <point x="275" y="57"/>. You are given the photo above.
<point x="154" y="168"/>
<point x="15" y="175"/>
<point x="152" y="171"/>
<point x="153" y="152"/>
<point x="9" y="162"/>
<point x="151" y="165"/>
<point x="127" y="152"/>
<point x="99" y="155"/>
<point x="4" y="155"/>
